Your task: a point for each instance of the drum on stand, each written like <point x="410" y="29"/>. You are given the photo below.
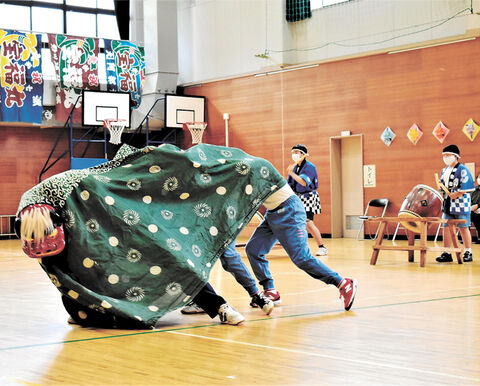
<point x="422" y="201"/>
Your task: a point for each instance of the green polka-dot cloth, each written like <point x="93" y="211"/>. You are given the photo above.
<point x="144" y="230"/>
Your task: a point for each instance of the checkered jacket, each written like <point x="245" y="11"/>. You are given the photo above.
<point x="460" y="180"/>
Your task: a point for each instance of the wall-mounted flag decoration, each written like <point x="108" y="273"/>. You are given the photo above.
<point x="414" y="134"/>
<point x="21" y="91"/>
<point x="440" y="131"/>
<point x="471" y="129"/>
<point x="76" y="64"/>
<point x="388" y="136"/>
<point x="125" y="63"/>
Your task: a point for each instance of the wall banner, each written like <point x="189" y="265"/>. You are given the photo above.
<point x="125" y="62"/>
<point x="21" y="91"/>
<point x="76" y="65"/>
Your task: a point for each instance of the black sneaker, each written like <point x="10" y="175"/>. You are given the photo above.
<point x="260" y="300"/>
<point x="445" y="257"/>
<point x="467" y="257"/>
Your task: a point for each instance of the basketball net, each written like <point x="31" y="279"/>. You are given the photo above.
<point x="196" y="129"/>
<point x="115" y="127"/>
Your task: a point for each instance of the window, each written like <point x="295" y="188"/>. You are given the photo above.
<point x="15" y="17"/>
<point x="83" y="3"/>
<point x="106" y="4"/>
<point x="107" y="27"/>
<point x="88" y="18"/>
<point x="81" y="24"/>
<point x="48" y="20"/>
<point x="50" y="1"/>
<point x="315" y="4"/>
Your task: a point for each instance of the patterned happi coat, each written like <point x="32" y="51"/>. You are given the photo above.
<point x="144" y="230"/>
<point x="460" y="180"/>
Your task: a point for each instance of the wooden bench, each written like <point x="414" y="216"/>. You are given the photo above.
<point x="424" y="223"/>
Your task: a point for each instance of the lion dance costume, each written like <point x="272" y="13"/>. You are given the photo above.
<point x="142" y="231"/>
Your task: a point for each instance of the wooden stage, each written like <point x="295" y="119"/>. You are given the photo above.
<point x="408" y="326"/>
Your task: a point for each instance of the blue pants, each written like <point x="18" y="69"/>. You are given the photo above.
<point x="286" y="224"/>
<point x="232" y="262"/>
<point x="457" y="217"/>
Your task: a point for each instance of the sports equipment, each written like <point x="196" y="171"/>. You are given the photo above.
<point x="115" y="127"/>
<point x="196" y="129"/>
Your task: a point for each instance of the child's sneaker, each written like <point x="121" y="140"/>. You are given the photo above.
<point x="445" y="257"/>
<point x="260" y="300"/>
<point x="192" y="308"/>
<point x="467" y="257"/>
<point x="273" y="295"/>
<point x="228" y="315"/>
<point x="322" y="251"/>
<point x="348" y="289"/>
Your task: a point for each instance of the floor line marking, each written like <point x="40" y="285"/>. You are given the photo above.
<point x="215" y="324"/>
<point x="326" y="356"/>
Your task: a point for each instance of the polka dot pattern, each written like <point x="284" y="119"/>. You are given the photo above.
<point x="113" y="279"/>
<point x="152" y="208"/>
<point x="113" y="241"/>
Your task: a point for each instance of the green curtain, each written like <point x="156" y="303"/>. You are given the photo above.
<point x="298" y="10"/>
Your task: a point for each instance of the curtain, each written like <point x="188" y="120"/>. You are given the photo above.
<point x="122" y="13"/>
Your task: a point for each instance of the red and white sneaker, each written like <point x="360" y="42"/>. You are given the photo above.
<point x="273" y="295"/>
<point x="348" y="289"/>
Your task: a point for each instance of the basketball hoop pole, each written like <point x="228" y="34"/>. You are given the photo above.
<point x="226" y="117"/>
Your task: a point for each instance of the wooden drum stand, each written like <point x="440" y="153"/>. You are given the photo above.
<point x="424" y="222"/>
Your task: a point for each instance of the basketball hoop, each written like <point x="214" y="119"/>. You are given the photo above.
<point x="115" y="127"/>
<point x="196" y="129"/>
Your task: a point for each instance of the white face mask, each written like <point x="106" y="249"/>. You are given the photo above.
<point x="449" y="160"/>
<point x="296" y="157"/>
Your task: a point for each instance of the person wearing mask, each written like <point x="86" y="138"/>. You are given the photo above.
<point x="475" y="208"/>
<point x="456" y="204"/>
<point x="302" y="178"/>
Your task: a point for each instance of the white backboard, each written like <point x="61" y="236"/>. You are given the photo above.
<point x="100" y="105"/>
<point x="181" y="109"/>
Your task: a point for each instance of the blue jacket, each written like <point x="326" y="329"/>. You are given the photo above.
<point x="308" y="172"/>
<point x="460" y="180"/>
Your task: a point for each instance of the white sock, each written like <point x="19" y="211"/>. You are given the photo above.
<point x="468" y="250"/>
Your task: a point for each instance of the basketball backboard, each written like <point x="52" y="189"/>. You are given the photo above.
<point x="100" y="105"/>
<point x="181" y="109"/>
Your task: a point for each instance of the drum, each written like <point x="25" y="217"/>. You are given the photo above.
<point x="422" y="201"/>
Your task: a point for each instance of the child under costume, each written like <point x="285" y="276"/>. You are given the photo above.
<point x="144" y="230"/>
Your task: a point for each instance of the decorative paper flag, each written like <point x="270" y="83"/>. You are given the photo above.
<point x="440" y="132"/>
<point x="76" y="64"/>
<point x="388" y="136"/>
<point x="471" y="129"/>
<point x="414" y="134"/>
<point x="21" y="91"/>
<point x="125" y="68"/>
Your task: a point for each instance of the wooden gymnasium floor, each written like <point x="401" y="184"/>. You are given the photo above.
<point x="408" y="326"/>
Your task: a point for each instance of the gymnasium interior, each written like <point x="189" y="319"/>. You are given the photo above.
<point x="375" y="89"/>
